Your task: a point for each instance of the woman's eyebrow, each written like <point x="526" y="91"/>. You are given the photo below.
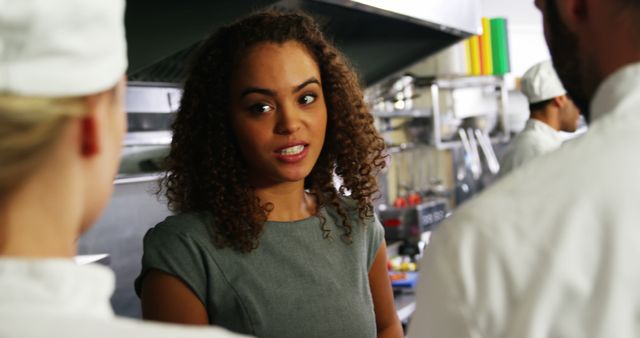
<point x="269" y="92"/>
<point x="251" y="90"/>
<point x="306" y="83"/>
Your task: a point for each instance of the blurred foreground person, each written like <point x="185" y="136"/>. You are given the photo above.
<point x="552" y="249"/>
<point x="62" y="120"/>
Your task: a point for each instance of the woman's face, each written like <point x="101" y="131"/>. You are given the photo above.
<point x="278" y="112"/>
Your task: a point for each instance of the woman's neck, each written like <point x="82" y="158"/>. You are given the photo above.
<point x="34" y="224"/>
<point x="290" y="201"/>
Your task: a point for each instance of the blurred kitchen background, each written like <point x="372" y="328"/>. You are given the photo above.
<point x="441" y="82"/>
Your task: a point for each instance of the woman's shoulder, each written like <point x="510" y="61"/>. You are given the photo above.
<point x="187" y="223"/>
<point x="347" y="203"/>
<point x="352" y="209"/>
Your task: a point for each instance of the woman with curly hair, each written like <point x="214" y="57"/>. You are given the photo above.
<point x="263" y="242"/>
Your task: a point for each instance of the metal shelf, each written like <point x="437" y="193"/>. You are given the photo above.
<point x="433" y="87"/>
<point x="468" y="82"/>
<point x="413" y="113"/>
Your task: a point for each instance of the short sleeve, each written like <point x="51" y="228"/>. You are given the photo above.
<point x="177" y="253"/>
<point x="375" y="236"/>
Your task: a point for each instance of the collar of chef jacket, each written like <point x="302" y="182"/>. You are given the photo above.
<point x="55" y="286"/>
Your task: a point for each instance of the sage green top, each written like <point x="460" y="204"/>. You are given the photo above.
<point x="295" y="284"/>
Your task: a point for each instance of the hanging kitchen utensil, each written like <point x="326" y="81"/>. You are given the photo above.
<point x="487" y="149"/>
<point x="471" y="147"/>
<point x="466" y="156"/>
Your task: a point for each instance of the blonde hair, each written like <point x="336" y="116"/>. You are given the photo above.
<point x="28" y="126"/>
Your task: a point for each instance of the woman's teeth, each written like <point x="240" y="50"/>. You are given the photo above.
<point x="292" y="150"/>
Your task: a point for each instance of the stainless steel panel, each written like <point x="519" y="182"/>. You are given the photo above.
<point x="456" y="16"/>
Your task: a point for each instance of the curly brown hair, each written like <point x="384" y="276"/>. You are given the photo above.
<point x="205" y="169"/>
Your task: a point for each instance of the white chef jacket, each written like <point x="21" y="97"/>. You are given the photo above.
<point x="552" y="250"/>
<point x="57" y="298"/>
<point x="535" y="139"/>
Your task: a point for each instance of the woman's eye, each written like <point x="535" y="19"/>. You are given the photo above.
<point x="260" y="108"/>
<point x="307" y="99"/>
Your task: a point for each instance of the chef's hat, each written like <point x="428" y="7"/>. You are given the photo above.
<point x="541" y="83"/>
<point x="60" y="48"/>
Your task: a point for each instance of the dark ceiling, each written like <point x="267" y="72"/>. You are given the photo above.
<point x="162" y="33"/>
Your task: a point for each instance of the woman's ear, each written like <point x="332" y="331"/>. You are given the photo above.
<point x="89" y="135"/>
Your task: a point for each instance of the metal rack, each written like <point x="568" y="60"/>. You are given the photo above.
<point x="434" y="87"/>
<point x="468" y="82"/>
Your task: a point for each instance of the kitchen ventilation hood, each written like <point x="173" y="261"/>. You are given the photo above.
<point x="379" y="37"/>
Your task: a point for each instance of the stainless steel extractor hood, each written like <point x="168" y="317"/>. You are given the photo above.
<point x="379" y="37"/>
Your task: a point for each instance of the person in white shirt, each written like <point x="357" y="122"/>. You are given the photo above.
<point x="552" y="249"/>
<point x="62" y="121"/>
<point x="551" y="111"/>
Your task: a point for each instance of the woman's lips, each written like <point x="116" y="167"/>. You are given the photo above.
<point x="292" y="154"/>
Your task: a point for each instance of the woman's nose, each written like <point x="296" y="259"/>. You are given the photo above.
<point x="288" y="120"/>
